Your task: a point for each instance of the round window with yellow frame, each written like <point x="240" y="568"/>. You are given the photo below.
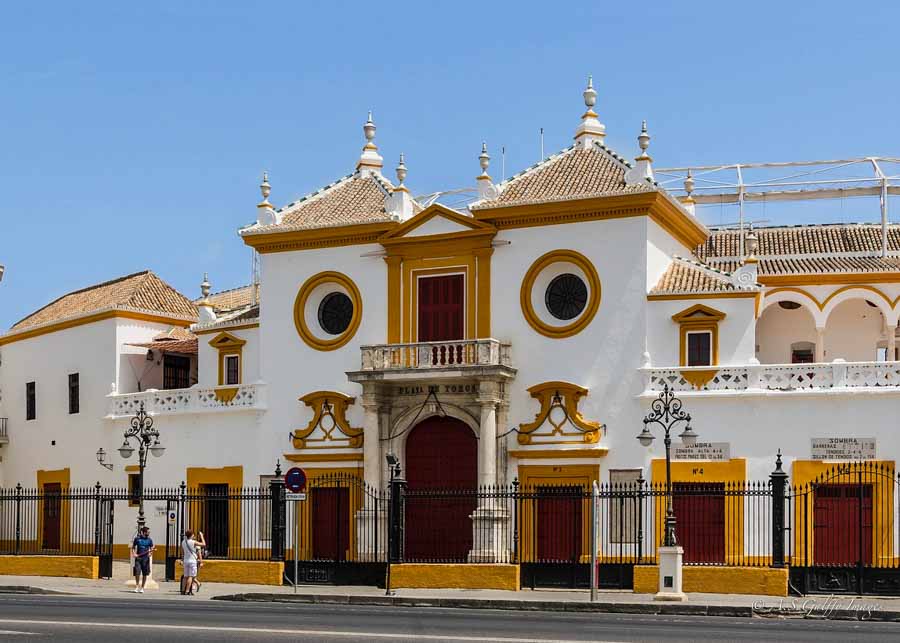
<point x="327" y="310"/>
<point x="560" y="293"/>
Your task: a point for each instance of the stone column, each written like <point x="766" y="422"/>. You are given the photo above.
<point x="891" y="344"/>
<point x="371" y="518"/>
<point x="487" y="443"/>
<point x="820" y="344"/>
<point x="490" y="522"/>
<point x="371" y="438"/>
<point x="502" y="453"/>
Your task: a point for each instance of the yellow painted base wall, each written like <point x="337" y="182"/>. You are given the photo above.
<point x="448" y="576"/>
<point x="71" y="566"/>
<point x="765" y="581"/>
<point x="252" y="572"/>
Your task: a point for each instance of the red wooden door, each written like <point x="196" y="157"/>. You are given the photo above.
<point x="558" y="530"/>
<point x="700" y="521"/>
<point x="441" y="454"/>
<point x="837" y="526"/>
<point x="330" y="523"/>
<point x="52" y="513"/>
<point x="441" y="308"/>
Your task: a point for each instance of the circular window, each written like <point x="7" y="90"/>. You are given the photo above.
<point x="560" y="294"/>
<point x="566" y="296"/>
<point x="335" y="313"/>
<point x="327" y="310"/>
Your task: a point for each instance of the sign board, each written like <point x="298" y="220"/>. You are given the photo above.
<point x="716" y="451"/>
<point x="295" y="480"/>
<point x="295" y="496"/>
<point x="843" y="448"/>
<point x="171" y="517"/>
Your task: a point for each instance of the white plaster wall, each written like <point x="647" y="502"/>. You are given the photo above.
<point x="853" y="331"/>
<point x="436" y="225"/>
<point x="777" y="329"/>
<point x="208" y="357"/>
<point x="736" y="332"/>
<point x="661" y="247"/>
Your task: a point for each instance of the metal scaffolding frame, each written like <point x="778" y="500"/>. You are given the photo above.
<point x="741" y="183"/>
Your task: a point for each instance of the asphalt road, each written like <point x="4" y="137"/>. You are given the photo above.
<point x="142" y="618"/>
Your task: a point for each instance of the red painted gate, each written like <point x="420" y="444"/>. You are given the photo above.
<point x="330" y="523"/>
<point x="700" y="521"/>
<point x="441" y="308"/>
<point x="838" y="527"/>
<point x="441" y="454"/>
<point x="559" y="526"/>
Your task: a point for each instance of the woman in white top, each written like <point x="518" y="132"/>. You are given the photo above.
<point x="191" y="550"/>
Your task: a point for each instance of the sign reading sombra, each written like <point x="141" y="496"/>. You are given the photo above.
<point x="717" y="451"/>
<point x="843" y="448"/>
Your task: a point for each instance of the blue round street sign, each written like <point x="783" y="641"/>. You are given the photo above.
<point x="295" y="480"/>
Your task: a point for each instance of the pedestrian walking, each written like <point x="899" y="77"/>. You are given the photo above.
<point x="192" y="557"/>
<point x="142" y="547"/>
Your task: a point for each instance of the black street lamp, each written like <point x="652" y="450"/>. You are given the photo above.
<point x="148" y="440"/>
<point x="666" y="412"/>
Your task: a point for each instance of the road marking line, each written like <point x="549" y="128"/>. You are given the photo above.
<point x="324" y="633"/>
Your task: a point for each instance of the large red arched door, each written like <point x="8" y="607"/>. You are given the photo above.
<point x="441" y="454"/>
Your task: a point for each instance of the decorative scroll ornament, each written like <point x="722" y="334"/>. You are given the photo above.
<point x="329" y="413"/>
<point x="559" y="420"/>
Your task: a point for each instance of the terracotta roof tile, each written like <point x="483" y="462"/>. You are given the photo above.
<point x="232" y="299"/>
<point x="687" y="277"/>
<point x="140" y="291"/>
<point x="574" y="173"/>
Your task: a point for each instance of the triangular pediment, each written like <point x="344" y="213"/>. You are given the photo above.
<point x="438" y="221"/>
<point x="698" y="312"/>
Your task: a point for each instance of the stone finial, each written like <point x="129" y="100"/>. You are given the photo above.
<point x="370" y="161"/>
<point x="486" y="187"/>
<point x="591" y="129"/>
<point x="265" y="211"/>
<point x="265" y="188"/>
<point x="689" y="184"/>
<point x="401" y="173"/>
<point x="751" y="245"/>
<point x="205" y="308"/>
<point x="399" y="204"/>
<point x="205" y="286"/>
<point x="642" y="170"/>
<point x="484" y="160"/>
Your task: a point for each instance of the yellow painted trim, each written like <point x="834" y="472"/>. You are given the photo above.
<point x="60" y="566"/>
<point x="228" y="344"/>
<point x="455" y="576"/>
<point x="575" y="327"/>
<point x="571" y="395"/>
<point x="857" y="287"/>
<point x="760" y="581"/>
<point x="249" y="572"/>
<point x="324" y="457"/>
<point x="830" y="279"/>
<point x="332" y="237"/>
<point x="699" y="379"/>
<point x="689" y="321"/>
<point x="551" y="454"/>
<point x="232" y="476"/>
<point x="684" y="228"/>
<point x="63" y="478"/>
<point x="132" y="468"/>
<point x="226" y="395"/>
<point x="729" y="472"/>
<point x="806" y="472"/>
<point x="394" y="281"/>
<point x="230" y="328"/>
<point x="429" y="213"/>
<point x="738" y="294"/>
<point x="339" y="403"/>
<point x="483" y="293"/>
<point x="15" y="336"/>
<point x="300" y="309"/>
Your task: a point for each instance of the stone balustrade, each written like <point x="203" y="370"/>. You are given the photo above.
<point x="197" y="399"/>
<point x="749" y="378"/>
<point x="451" y="355"/>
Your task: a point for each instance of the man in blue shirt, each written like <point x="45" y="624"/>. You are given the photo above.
<point x="143" y="549"/>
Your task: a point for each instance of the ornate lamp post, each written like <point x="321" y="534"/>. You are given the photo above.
<point x="147" y="440"/>
<point x="666" y="412"/>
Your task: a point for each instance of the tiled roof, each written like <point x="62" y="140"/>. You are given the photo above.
<point x="574" y="173"/>
<point x="352" y="200"/>
<point x="230" y="299"/>
<point x="688" y="277"/>
<point x="809" y="249"/>
<point x="175" y="333"/>
<point x="142" y="291"/>
<point x="185" y="346"/>
<point x="250" y="314"/>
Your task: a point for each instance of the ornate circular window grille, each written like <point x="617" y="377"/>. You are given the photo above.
<point x="335" y="313"/>
<point x="566" y="296"/>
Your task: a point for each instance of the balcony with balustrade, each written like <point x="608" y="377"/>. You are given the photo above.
<point x="834" y="377"/>
<point x="465" y="358"/>
<point x="197" y="399"/>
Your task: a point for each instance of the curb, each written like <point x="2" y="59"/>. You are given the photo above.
<point x="667" y="609"/>
<point x="26" y="589"/>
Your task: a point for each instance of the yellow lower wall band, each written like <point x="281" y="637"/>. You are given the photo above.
<point x="71" y="566"/>
<point x="765" y="581"/>
<point x="251" y="572"/>
<point x="448" y="576"/>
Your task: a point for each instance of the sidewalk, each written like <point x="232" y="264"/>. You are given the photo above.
<point x="831" y="607"/>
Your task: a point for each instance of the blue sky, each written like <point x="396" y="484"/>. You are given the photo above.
<point x="133" y="135"/>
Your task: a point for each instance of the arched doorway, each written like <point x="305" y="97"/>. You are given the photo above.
<point x="441" y="456"/>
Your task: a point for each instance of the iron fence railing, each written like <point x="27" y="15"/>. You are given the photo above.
<point x="3" y="434"/>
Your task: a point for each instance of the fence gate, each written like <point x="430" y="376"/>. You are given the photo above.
<point x="173" y="535"/>
<point x="105" y="536"/>
<point x="844" y="531"/>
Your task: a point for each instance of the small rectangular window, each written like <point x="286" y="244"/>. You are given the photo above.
<point x="30" y="406"/>
<point x="73" y="393"/>
<point x="176" y="371"/>
<point x="232" y="372"/>
<point x="134" y="489"/>
<point x="699" y="345"/>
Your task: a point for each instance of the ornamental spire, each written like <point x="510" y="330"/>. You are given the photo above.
<point x="484" y="160"/>
<point x="642" y="170"/>
<point x="486" y="188"/>
<point x="401" y="173"/>
<point x="591" y="129"/>
<point x="688" y="201"/>
<point x="205" y="310"/>
<point x="370" y="161"/>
